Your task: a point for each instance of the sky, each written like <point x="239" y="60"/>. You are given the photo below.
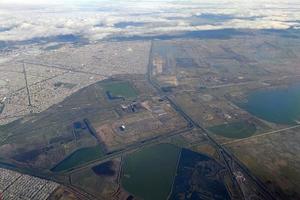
<point x="22" y="20"/>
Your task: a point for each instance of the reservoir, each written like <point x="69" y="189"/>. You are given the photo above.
<point x="149" y="173"/>
<point x="280" y="105"/>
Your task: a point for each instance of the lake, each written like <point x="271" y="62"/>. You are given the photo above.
<point x="149" y="173"/>
<point x="280" y="105"/>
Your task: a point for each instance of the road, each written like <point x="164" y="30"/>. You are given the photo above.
<point x="64" y="67"/>
<point x="26" y="85"/>
<point x="261" y="135"/>
<point x="128" y="148"/>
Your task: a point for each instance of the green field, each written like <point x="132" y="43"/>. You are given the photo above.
<point x="149" y="173"/>
<point x="79" y="157"/>
<point x="237" y="130"/>
<point x="120" y="89"/>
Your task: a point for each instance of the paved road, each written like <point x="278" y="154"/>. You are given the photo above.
<point x="129" y="148"/>
<point x="261" y="135"/>
<point x="64" y="67"/>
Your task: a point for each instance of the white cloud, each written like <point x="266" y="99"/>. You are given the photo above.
<point x="24" y="20"/>
<point x="41" y="2"/>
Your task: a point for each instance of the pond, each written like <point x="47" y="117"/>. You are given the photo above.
<point x="79" y="157"/>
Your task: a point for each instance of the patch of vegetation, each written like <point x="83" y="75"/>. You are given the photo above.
<point x="236" y="130"/>
<point x="101" y="187"/>
<point x="120" y="89"/>
<point x="198" y="177"/>
<point x="179" y="141"/>
<point x="205" y="149"/>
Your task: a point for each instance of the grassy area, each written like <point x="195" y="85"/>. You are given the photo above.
<point x="278" y="149"/>
<point x="204" y="148"/>
<point x="120" y="89"/>
<point x="237" y="130"/>
<point x="5" y="131"/>
<point x="79" y="157"/>
<point x="149" y="173"/>
<point x="179" y="141"/>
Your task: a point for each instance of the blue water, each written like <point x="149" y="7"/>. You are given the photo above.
<point x="281" y="105"/>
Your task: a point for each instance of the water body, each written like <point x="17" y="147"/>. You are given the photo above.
<point x="166" y="171"/>
<point x="280" y="105"/>
<point x="104" y="169"/>
<point x="149" y="173"/>
<point x="79" y="157"/>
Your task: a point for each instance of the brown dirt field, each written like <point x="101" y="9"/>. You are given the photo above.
<point x="106" y="134"/>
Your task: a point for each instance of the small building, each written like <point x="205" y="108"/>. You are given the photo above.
<point x="122" y="127"/>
